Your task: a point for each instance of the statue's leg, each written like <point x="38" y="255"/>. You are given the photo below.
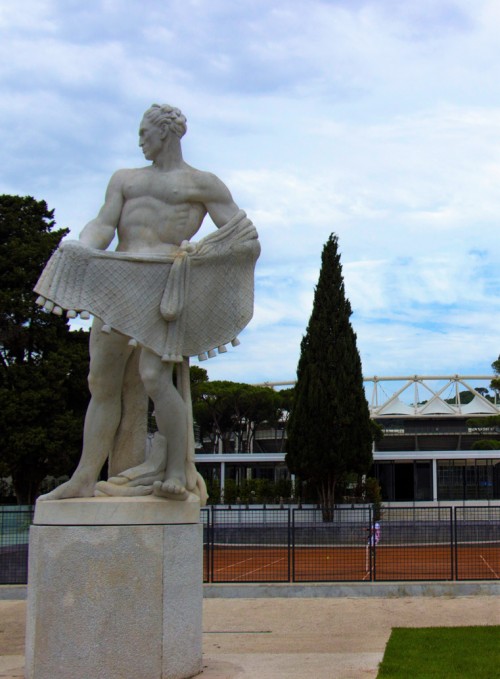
<point x="172" y="420"/>
<point x="144" y="474"/>
<point x="109" y="353"/>
<point x="129" y="447"/>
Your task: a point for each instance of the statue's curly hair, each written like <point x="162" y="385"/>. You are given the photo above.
<point x="165" y="115"/>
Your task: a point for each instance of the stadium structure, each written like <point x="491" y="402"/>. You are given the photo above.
<point x="427" y="452"/>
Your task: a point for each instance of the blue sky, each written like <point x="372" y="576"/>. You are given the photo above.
<point x="378" y="120"/>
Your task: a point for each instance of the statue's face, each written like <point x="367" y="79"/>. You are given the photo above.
<point x="151" y="139"/>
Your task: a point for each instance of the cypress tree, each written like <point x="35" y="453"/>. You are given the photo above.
<point x="329" y="430"/>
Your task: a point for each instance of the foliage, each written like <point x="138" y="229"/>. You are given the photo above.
<point x="495" y="382"/>
<point x="284" y="401"/>
<point x="283" y="489"/>
<point x="43" y="366"/>
<point x="256" y="491"/>
<point x="197" y="375"/>
<point x="329" y="431"/>
<point x="486" y="444"/>
<point x="361" y="489"/>
<point x="230" y="492"/>
<point x="213" y="489"/>
<point x="229" y="413"/>
<point x="306" y="491"/>
<point x="441" y="653"/>
<point x="372" y="493"/>
<point x="250" y="491"/>
<point x="464" y="397"/>
<point x="377" y="431"/>
<point x="485" y="426"/>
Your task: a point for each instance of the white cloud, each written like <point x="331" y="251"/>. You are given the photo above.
<point x="376" y="120"/>
<point x="34" y="16"/>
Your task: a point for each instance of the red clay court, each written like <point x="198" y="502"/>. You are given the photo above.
<point x="229" y="563"/>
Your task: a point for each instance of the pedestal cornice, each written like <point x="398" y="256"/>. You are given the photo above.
<point x="117" y="511"/>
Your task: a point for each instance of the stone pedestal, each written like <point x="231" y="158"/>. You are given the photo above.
<point x="115" y="590"/>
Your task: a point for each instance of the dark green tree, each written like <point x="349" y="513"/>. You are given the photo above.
<point x="197" y="375"/>
<point x="329" y="431"/>
<point x="495" y="382"/>
<point x="257" y="407"/>
<point x="488" y="427"/>
<point x="214" y="413"/>
<point x="43" y="366"/>
<point x="228" y="412"/>
<point x="283" y="406"/>
<point x="486" y="444"/>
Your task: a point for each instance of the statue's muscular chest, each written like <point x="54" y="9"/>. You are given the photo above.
<point x="159" y="208"/>
<point x="170" y="188"/>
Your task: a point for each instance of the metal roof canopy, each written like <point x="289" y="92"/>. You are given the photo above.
<point x="417" y="398"/>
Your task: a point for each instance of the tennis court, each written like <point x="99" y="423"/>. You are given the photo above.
<point x="296" y="545"/>
<point x="424" y="543"/>
<point x="262" y="563"/>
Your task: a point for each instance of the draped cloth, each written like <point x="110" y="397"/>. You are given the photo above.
<point x="177" y="305"/>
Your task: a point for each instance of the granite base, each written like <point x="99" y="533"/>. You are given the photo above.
<point x="114" y="601"/>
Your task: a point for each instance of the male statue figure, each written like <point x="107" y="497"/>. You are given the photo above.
<point x="154" y="211"/>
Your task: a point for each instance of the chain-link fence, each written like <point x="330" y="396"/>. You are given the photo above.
<point x="15" y="522"/>
<point x="477" y="543"/>
<point x="297" y="545"/>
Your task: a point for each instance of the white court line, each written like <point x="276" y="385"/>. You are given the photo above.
<point x="225" y="568"/>
<point x="267" y="565"/>
<point x="488" y="566"/>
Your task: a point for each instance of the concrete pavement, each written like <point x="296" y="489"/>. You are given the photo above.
<point x="292" y="638"/>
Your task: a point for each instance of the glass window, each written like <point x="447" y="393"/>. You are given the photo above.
<point x="468" y="479"/>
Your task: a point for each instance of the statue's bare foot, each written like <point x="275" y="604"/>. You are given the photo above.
<point x="124" y="481"/>
<point x="151" y="470"/>
<point x="107" y="489"/>
<point x="73" y="488"/>
<point x="172" y="488"/>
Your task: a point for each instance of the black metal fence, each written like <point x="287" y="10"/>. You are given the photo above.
<point x="15" y="522"/>
<point x="297" y="545"/>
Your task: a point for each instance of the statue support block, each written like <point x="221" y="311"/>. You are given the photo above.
<point x="115" y="589"/>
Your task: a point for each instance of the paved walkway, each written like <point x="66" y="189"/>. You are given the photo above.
<point x="291" y="638"/>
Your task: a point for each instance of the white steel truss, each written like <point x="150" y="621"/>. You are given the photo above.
<point x="425" y="395"/>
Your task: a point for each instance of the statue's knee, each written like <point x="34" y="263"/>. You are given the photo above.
<point x="101" y="387"/>
<point x="150" y="380"/>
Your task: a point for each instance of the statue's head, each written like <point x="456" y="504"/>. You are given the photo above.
<point x="167" y="118"/>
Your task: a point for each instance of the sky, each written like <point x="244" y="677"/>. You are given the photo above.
<point x="376" y="120"/>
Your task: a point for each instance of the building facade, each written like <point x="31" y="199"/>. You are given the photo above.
<point x="426" y="453"/>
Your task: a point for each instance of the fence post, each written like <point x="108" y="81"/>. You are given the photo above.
<point x="211" y="539"/>
<point x="289" y="541"/>
<point x="454" y="543"/>
<point x="208" y="559"/>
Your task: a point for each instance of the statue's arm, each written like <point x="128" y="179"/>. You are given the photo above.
<point x="99" y="232"/>
<point x="218" y="200"/>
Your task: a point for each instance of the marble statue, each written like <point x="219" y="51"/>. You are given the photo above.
<point x="157" y="300"/>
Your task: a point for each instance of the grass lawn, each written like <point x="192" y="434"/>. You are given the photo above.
<point x="442" y="653"/>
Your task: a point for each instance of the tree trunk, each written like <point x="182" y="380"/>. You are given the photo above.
<point x="327" y="498"/>
<point x="26" y="489"/>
